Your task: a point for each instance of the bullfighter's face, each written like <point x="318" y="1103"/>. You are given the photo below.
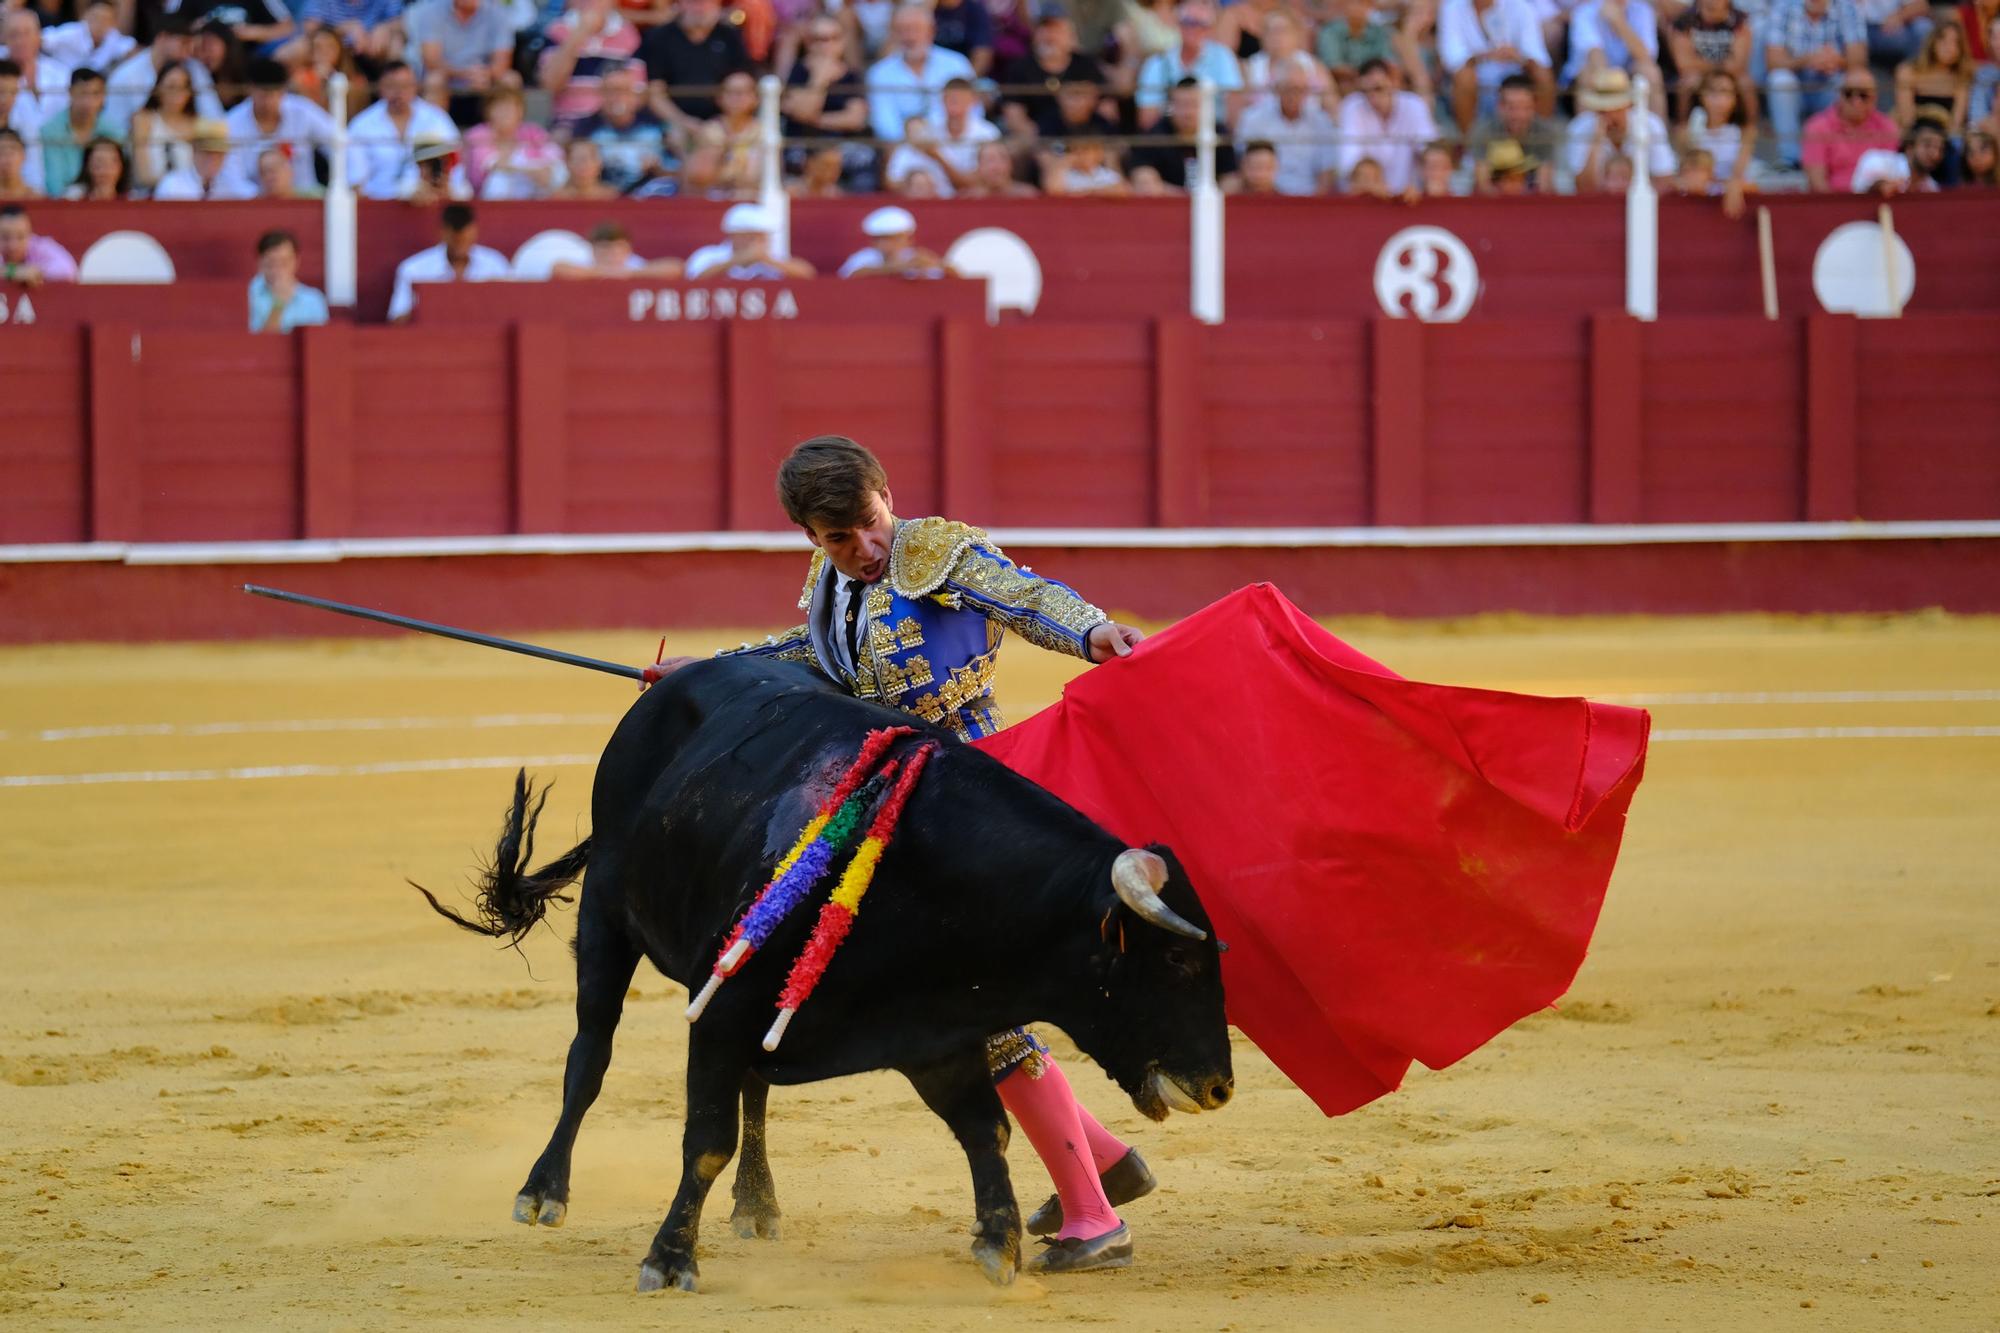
<point x="860" y="550"/>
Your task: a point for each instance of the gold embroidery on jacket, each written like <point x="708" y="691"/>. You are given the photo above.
<point x="924" y="552"/>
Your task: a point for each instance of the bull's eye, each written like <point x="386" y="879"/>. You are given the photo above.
<point x="1181" y="960"/>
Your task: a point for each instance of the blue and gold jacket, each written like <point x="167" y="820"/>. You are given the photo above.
<point x="932" y="624"/>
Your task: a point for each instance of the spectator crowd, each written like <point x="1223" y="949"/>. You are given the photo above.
<point x="596" y="99"/>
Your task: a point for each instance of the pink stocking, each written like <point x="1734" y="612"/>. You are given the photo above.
<point x="1047" y="1112"/>
<point x="1106" y="1148"/>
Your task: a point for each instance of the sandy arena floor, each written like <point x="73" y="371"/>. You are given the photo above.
<point x="247" y="1081"/>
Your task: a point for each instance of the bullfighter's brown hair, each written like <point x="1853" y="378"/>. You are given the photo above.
<point x="829" y="480"/>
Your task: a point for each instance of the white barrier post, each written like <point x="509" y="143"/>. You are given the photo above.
<point x="1642" y="214"/>
<point x="1205" y="221"/>
<point x="771" y="187"/>
<point x="342" y="239"/>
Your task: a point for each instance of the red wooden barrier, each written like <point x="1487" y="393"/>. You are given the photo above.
<point x="733" y="590"/>
<point x="190" y="303"/>
<point x="114" y="434"/>
<point x="44" y="449"/>
<point x="1556" y="257"/>
<point x="1724" y="420"/>
<point x="1928" y="415"/>
<point x="614" y="303"/>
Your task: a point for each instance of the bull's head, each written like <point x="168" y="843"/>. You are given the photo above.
<point x="1158" y="1026"/>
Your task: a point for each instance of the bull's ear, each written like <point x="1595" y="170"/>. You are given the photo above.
<point x="1137" y="876"/>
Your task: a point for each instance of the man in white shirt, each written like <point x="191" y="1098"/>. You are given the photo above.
<point x="131" y="81"/>
<point x="209" y="177"/>
<point x="946" y="148"/>
<point x="380" y="161"/>
<point x="44" y="90"/>
<point x="92" y="42"/>
<point x="273" y="118"/>
<point x="1379" y="122"/>
<point x="906" y="82"/>
<point x="744" y="253"/>
<point x="892" y="250"/>
<point x="18" y="114"/>
<point x="1299" y="130"/>
<point x="459" y="257"/>
<point x="1604" y="131"/>
<point x="1481" y="42"/>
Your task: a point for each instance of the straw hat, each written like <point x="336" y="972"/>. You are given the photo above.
<point x="1506" y="157"/>
<point x="212" y="135"/>
<point x="1610" y="90"/>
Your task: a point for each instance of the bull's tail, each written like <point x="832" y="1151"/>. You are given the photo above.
<point x="510" y="898"/>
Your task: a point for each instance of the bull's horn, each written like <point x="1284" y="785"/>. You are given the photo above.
<point x="1137" y="876"/>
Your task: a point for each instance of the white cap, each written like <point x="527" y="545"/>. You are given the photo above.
<point x="1878" y="165"/>
<point x="747" y="217"/>
<point x="889" y="221"/>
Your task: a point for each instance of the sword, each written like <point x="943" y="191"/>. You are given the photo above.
<point x="449" y="632"/>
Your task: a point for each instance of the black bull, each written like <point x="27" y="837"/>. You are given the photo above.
<point x="994" y="906"/>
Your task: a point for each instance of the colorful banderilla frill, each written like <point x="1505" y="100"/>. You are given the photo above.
<point x="837" y="916"/>
<point x="826" y="835"/>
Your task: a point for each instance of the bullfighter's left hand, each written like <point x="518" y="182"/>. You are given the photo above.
<point x="1112" y="639"/>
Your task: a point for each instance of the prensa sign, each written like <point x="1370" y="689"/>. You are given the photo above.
<point x="698" y="303"/>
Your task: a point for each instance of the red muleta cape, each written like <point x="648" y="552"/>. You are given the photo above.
<point x="1401" y="870"/>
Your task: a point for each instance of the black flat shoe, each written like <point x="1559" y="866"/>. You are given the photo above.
<point x="1113" y="1249"/>
<point x="1126" y="1179"/>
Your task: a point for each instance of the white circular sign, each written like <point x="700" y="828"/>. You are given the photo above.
<point x="1850" y="271"/>
<point x="1426" y="272"/>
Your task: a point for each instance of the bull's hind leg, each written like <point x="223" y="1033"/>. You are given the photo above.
<point x="756" y="1215"/>
<point x="961" y="1092"/>
<point x="714" y="1082"/>
<point x="605" y="960"/>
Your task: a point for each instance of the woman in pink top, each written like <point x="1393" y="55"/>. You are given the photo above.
<point x="506" y="158"/>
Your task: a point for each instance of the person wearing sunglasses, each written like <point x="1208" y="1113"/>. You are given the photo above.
<point x="1837" y="138"/>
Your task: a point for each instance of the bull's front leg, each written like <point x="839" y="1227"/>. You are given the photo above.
<point x="756" y="1215"/>
<point x="961" y="1091"/>
<point x="714" y="1081"/>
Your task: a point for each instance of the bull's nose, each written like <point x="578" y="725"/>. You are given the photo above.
<point x="1220" y="1093"/>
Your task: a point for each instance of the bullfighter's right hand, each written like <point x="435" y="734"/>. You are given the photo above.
<point x="659" y="671"/>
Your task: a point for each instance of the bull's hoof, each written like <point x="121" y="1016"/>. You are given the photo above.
<point x="755" y="1223"/>
<point x="530" y="1208"/>
<point x="681" y="1276"/>
<point x="1000" y="1262"/>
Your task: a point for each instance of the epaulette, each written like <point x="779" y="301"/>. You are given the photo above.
<point x="925" y="551"/>
<point x="813" y="571"/>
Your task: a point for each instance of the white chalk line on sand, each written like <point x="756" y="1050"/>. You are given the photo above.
<point x="279" y="726"/>
<point x="275" y="726"/>
<point x="1805" y="697"/>
<point x="1820" y="733"/>
<point x="266" y="771"/>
